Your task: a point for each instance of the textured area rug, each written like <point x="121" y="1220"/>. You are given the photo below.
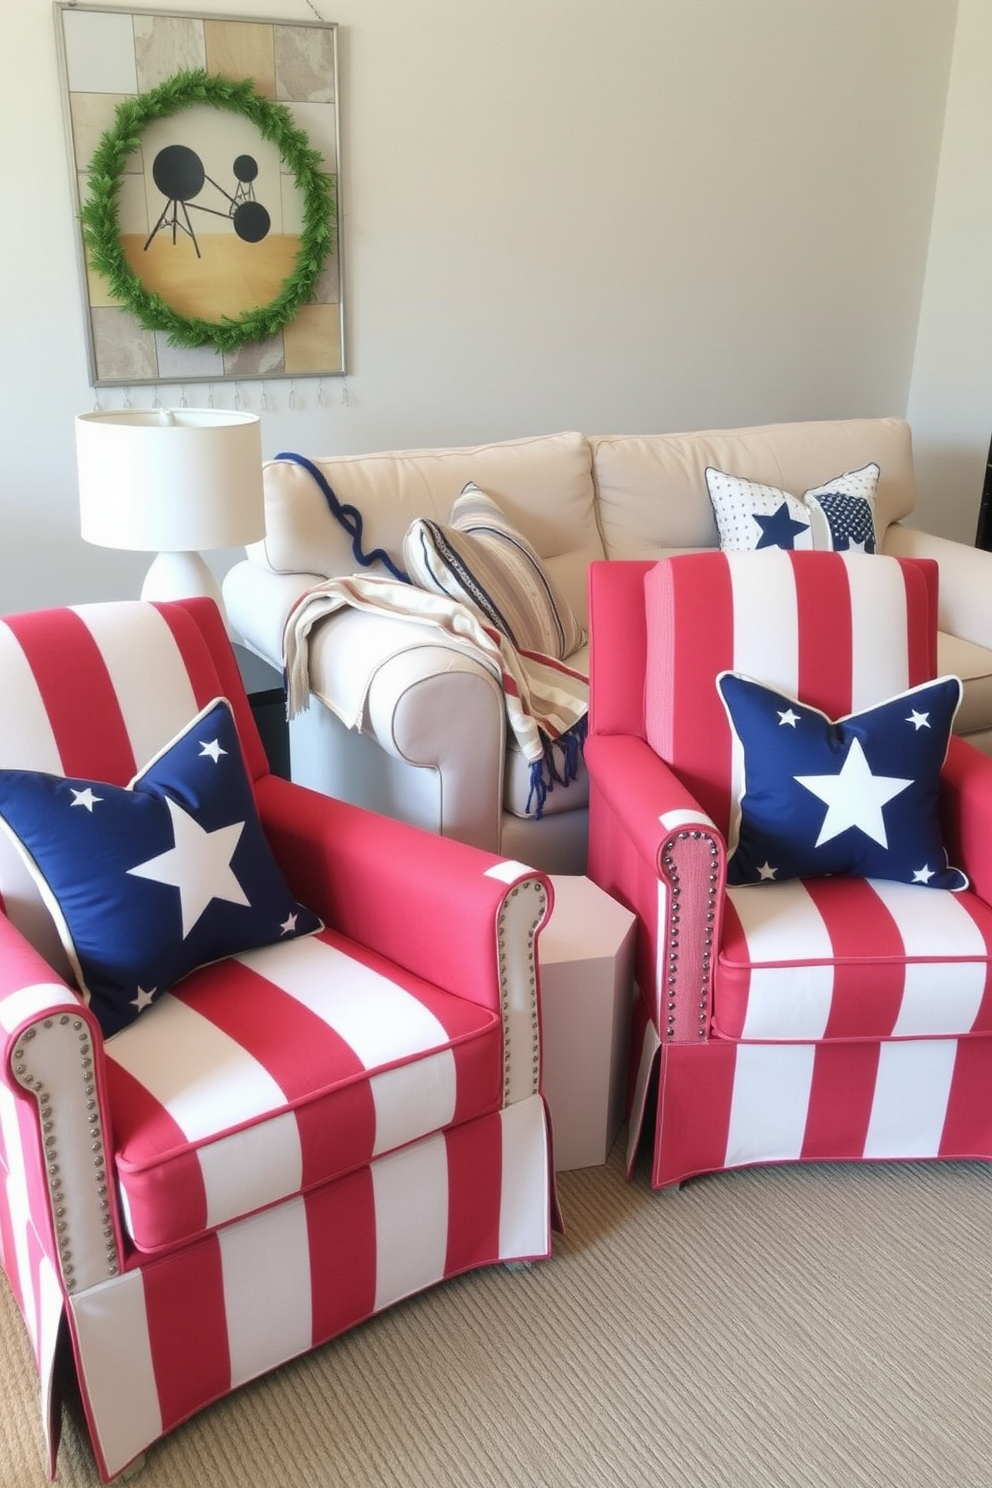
<point x="783" y="1327"/>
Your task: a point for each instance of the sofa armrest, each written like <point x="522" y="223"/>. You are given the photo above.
<point x="965" y="580"/>
<point x="673" y="882"/>
<point x="257" y="602"/>
<point x="419" y="697"/>
<point x="55" y="1124"/>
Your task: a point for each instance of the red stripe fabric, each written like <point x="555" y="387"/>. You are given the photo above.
<point x="210" y="662"/>
<point x="826" y="640"/>
<point x="870" y="970"/>
<point x="840" y="1101"/>
<point x="475" y="1169"/>
<point x="317" y="1076"/>
<point x="187" y="1331"/>
<point x="968" y="1121"/>
<point x="690" y="639"/>
<point x="78" y="695"/>
<point x="341" y="1236"/>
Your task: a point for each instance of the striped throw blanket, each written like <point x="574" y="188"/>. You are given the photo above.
<point x="546" y="701"/>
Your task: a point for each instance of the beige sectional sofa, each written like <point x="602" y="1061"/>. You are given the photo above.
<point x="432" y="745"/>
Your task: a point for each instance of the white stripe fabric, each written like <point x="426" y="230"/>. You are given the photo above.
<point x="205" y="1080"/>
<point x="881" y="667"/>
<point x="249" y="1168"/>
<point x="267" y="1299"/>
<point x="766" y="625"/>
<point x="120" y="1377"/>
<point x="411" y="1220"/>
<point x="509" y="871"/>
<point x="412" y="1100"/>
<point x="798" y="1010"/>
<point x="766" y="643"/>
<point x="783" y="925"/>
<point x="780" y="921"/>
<point x="152" y="715"/>
<point x="523" y="1228"/>
<point x="911" y="1095"/>
<point x="940" y="999"/>
<point x="375" y="1017"/>
<point x="29" y="1002"/>
<point x="772" y="1084"/>
<point x="685" y="817"/>
<point x="933" y="924"/>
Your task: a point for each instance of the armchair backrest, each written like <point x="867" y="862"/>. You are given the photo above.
<point x="838" y="631"/>
<point x="96" y="691"/>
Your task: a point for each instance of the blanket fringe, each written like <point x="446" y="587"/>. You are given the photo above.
<point x="545" y="773"/>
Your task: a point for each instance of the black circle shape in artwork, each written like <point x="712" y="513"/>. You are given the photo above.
<point x="178" y="172"/>
<point x="245" y="168"/>
<point x="251" y="221"/>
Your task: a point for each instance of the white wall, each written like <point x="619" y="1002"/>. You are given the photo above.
<point x="950" y="403"/>
<point x="647" y="215"/>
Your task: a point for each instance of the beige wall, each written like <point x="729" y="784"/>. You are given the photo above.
<point x="950" y="402"/>
<point x="647" y="215"/>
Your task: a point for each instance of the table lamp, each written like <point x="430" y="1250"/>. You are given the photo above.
<point x="172" y="482"/>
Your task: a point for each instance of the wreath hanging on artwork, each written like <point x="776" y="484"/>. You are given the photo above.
<point x="101" y="223"/>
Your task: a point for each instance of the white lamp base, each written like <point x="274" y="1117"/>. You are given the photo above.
<point x="181" y="576"/>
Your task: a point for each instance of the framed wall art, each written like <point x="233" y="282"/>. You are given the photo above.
<point x="204" y="156"/>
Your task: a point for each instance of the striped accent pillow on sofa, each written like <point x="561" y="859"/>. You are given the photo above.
<point x="480" y="559"/>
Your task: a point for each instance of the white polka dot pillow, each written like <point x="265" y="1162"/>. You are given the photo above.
<point x="838" y="515"/>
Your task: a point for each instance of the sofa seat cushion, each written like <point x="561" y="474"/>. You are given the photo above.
<point x="271" y="1073"/>
<point x="846" y="958"/>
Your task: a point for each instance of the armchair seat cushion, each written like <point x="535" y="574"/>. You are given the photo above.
<point x="846" y="958"/>
<point x="270" y="1073"/>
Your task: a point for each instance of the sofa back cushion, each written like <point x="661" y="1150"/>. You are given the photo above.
<point x="543" y="485"/>
<point x="652" y="490"/>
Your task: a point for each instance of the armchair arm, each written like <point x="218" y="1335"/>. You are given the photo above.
<point x="653" y="847"/>
<point x="459" y="917"/>
<point x="966" y="813"/>
<point x="55" y="1120"/>
<point x="964" y="584"/>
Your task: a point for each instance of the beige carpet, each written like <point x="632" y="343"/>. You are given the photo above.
<point x="800" y="1327"/>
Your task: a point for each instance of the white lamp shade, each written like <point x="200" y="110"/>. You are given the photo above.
<point x="170" y="480"/>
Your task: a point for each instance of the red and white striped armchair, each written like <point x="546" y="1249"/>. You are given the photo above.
<point x="844" y="1016"/>
<point x="290" y="1139"/>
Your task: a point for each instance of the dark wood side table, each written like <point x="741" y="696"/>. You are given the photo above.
<point x="267" y="696"/>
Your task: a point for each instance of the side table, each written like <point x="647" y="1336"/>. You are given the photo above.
<point x="586" y="957"/>
<point x="267" y="696"/>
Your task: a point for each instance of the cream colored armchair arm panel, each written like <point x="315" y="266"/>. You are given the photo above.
<point x="965" y="580"/>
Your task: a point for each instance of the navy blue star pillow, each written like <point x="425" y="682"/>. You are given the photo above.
<point x="148" y="882"/>
<point x="856" y="796"/>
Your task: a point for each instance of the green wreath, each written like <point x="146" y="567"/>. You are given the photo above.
<point x="101" y="223"/>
